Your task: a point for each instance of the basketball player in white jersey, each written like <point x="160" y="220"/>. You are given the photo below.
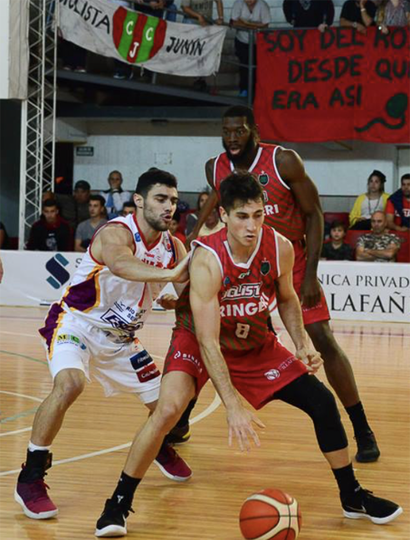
<point x="90" y="333"/>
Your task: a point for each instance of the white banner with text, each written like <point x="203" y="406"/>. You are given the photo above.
<point x="165" y="47"/>
<point x="354" y="291"/>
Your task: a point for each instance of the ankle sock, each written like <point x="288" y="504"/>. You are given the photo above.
<point x="124" y="492"/>
<point x="346" y="480"/>
<point x="358" y="418"/>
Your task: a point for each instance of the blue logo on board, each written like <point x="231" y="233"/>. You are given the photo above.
<point x="56" y="267"/>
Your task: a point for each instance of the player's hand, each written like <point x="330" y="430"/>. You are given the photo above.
<point x="311" y="358"/>
<point x="167" y="301"/>
<point x="310" y="292"/>
<point x="180" y="274"/>
<point x="240" y="425"/>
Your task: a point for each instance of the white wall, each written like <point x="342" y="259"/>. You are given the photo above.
<point x="4" y="49"/>
<point x="337" y="172"/>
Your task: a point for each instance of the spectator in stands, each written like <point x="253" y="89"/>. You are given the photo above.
<point x="193" y="218"/>
<point x="50" y="232"/>
<point x="74" y="58"/>
<point x="4" y="239"/>
<point x="398" y="207"/>
<point x="86" y="229"/>
<point x="74" y="208"/>
<point x="247" y="15"/>
<point x="173" y="229"/>
<point x="309" y="13"/>
<point x="122" y="70"/>
<point x="392" y="13"/>
<point x="378" y="246"/>
<point x="115" y="196"/>
<point x="336" y="249"/>
<point x="367" y="203"/>
<point x="212" y="225"/>
<point x="155" y="8"/>
<point x="200" y="12"/>
<point x="358" y="14"/>
<point x="128" y="208"/>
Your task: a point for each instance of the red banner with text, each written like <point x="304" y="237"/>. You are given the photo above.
<point x="340" y="84"/>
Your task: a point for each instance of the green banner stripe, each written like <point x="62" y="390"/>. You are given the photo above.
<point x="147" y="39"/>
<point x="126" y="38"/>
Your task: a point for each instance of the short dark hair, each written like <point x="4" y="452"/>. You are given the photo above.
<point x="154" y="176"/>
<point x="98" y="198"/>
<point x="379" y="174"/>
<point x="130" y="204"/>
<point x="338" y="223"/>
<point x="49" y="203"/>
<point x="239" y="187"/>
<point x="238" y="111"/>
<point x="405" y="177"/>
<point x="82" y="184"/>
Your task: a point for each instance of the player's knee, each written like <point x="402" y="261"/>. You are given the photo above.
<point x="68" y="385"/>
<point x="166" y="415"/>
<point x="328" y="425"/>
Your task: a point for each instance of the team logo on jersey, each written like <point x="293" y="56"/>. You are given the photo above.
<point x="263" y="178"/>
<point x="244" y="275"/>
<point x="272" y="374"/>
<point x="244" y="290"/>
<point x="226" y="281"/>
<point x="265" y="267"/>
<point x="137" y="237"/>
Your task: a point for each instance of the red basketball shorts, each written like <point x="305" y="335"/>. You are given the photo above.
<point x="320" y="311"/>
<point x="256" y="374"/>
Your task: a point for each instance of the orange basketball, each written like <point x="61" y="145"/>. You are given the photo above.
<point x="270" y="514"/>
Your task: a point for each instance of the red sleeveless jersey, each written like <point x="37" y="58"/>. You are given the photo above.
<point x="245" y="291"/>
<point x="281" y="209"/>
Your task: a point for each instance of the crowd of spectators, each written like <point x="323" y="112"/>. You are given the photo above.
<point x="248" y="15"/>
<point x="381" y="214"/>
<point x="68" y="222"/>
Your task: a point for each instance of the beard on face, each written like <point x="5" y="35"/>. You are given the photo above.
<point x="155" y="221"/>
<point x="249" y="146"/>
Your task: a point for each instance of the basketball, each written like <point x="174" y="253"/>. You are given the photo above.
<point x="270" y="514"/>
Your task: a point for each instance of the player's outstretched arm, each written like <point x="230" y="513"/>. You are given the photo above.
<point x="113" y="246"/>
<point x="205" y="308"/>
<point x="210" y="204"/>
<point x="292" y="170"/>
<point x="289" y="308"/>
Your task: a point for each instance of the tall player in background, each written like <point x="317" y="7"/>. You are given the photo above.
<point x="292" y="207"/>
<point x="221" y="334"/>
<point x="90" y="333"/>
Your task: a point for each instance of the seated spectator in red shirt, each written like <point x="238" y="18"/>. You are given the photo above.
<point x="173" y="228"/>
<point x="379" y="245"/>
<point x="336" y="249"/>
<point x="398" y="207"/>
<point x="50" y="232"/>
<point x="358" y="14"/>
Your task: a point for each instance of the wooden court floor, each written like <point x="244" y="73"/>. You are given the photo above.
<point x="91" y="448"/>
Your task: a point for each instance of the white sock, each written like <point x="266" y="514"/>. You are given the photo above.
<point x="33" y="447"/>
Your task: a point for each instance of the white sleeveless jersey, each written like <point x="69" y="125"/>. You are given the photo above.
<point x="116" y="305"/>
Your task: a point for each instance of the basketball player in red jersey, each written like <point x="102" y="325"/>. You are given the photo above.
<point x="221" y="333"/>
<point x="292" y="207"/>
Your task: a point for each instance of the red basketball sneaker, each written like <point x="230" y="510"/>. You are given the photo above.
<point x="33" y="498"/>
<point x="172" y="465"/>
